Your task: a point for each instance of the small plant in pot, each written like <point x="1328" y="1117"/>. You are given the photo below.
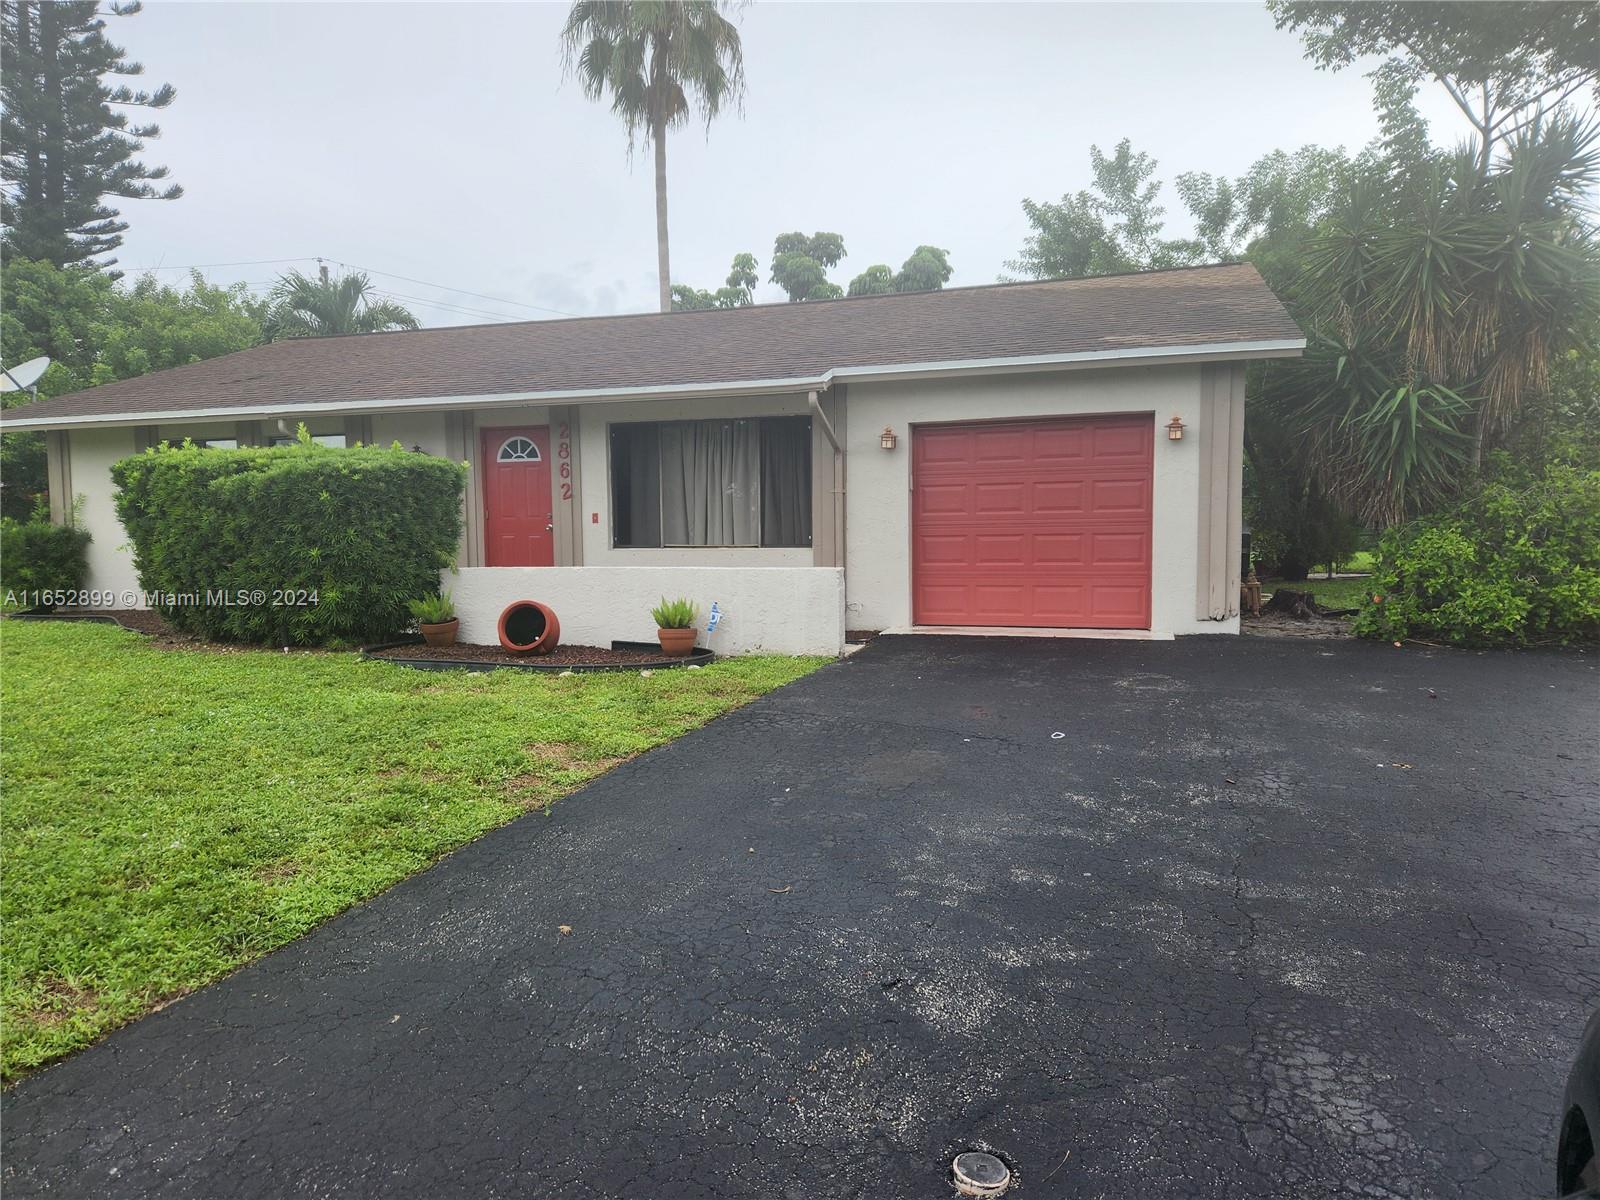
<point x="674" y="626"/>
<point x="436" y="617"/>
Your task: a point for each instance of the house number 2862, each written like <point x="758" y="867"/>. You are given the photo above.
<point x="564" y="458"/>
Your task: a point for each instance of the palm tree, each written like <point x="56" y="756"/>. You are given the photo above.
<point x="306" y="307"/>
<point x="1437" y="301"/>
<point x="651" y="56"/>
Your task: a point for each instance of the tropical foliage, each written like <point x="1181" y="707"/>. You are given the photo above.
<point x="737" y="292"/>
<point x="301" y="306"/>
<point x="67" y="141"/>
<point x="800" y="266"/>
<point x="1503" y="64"/>
<point x="1515" y="565"/>
<point x="1437" y="302"/>
<point x="656" y="60"/>
<point x="96" y="331"/>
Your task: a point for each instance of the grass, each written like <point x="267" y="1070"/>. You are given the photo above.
<point x="1330" y="593"/>
<point x="172" y="814"/>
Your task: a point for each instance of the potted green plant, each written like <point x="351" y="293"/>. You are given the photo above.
<point x="674" y="626"/>
<point x="436" y="617"/>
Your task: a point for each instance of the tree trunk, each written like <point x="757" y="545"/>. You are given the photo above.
<point x="663" y="267"/>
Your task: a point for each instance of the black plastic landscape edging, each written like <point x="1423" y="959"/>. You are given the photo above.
<point x="698" y="657"/>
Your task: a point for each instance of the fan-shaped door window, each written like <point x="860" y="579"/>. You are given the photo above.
<point x="517" y="449"/>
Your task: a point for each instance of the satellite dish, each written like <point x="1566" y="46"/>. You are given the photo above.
<point x="23" y="376"/>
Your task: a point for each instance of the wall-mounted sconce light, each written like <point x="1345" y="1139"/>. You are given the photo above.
<point x="1175" y="430"/>
<point x="887" y="439"/>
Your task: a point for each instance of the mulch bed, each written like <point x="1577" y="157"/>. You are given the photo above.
<point x="562" y="656"/>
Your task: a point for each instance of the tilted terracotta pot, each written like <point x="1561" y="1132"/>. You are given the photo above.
<point x="528" y="627"/>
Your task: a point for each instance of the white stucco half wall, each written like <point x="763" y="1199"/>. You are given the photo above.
<point x="878" y="501"/>
<point x="766" y="610"/>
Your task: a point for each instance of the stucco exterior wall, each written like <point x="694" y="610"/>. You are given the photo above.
<point x="767" y="610"/>
<point x="425" y="429"/>
<point x="878" y="509"/>
<point x="90" y="455"/>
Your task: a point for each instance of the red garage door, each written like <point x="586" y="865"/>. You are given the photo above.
<point x="1033" y="523"/>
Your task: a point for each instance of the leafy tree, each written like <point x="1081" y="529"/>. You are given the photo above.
<point x="800" y="265"/>
<point x="1502" y="64"/>
<point x="67" y="140"/>
<point x="927" y="270"/>
<point x="738" y="292"/>
<point x="876" y="280"/>
<point x="324" y="307"/>
<point x="651" y="57"/>
<point x="1113" y="227"/>
<point x="95" y="331"/>
<point x="154" y="326"/>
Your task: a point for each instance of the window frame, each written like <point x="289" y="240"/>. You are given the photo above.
<point x="761" y="509"/>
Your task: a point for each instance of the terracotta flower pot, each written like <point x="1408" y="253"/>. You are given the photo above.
<point x="442" y="634"/>
<point x="528" y="627"/>
<point x="676" y="643"/>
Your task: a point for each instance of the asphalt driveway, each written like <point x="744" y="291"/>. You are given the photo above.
<point x="1221" y="918"/>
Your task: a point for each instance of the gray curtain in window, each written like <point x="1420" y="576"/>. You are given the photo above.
<point x="636" y="466"/>
<point x="710" y="493"/>
<point x="786" y="482"/>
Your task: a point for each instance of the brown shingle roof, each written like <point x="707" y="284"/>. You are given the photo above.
<point x="1200" y="306"/>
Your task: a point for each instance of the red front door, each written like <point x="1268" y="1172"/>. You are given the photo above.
<point x="517" y="511"/>
<point x="1033" y="523"/>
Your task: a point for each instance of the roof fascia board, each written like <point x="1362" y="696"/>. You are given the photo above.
<point x="1087" y="359"/>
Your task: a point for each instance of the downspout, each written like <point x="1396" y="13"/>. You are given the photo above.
<point x="821" y="418"/>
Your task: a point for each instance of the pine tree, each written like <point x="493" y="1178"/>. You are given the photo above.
<point x="67" y="143"/>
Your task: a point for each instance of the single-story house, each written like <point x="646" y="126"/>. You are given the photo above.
<point x="1056" y="456"/>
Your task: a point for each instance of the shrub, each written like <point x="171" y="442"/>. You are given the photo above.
<point x="300" y="544"/>
<point x="1514" y="565"/>
<point x="674" y="614"/>
<point x="36" y="556"/>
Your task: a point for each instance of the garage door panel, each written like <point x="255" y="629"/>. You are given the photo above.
<point x="1043" y="523"/>
<point x="1060" y="497"/>
<point x="1000" y="446"/>
<point x="1059" y="445"/>
<point x="1001" y="550"/>
<point x="936" y="498"/>
<point x="1058" y="604"/>
<point x="1121" y="441"/>
<point x="1060" y="550"/>
<point x="944" y="549"/>
<point x="1121" y="497"/>
<point x="1000" y="603"/>
<point x="1119" y="549"/>
<point x="1000" y="499"/>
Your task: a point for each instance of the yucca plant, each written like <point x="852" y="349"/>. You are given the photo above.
<point x="1436" y="302"/>
<point x="674" y="614"/>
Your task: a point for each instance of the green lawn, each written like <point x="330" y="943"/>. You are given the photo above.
<point x="1330" y="593"/>
<point x="172" y="814"/>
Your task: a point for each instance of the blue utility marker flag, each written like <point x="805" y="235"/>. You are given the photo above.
<point x="714" y="618"/>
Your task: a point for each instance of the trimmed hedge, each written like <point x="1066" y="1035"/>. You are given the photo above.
<point x="290" y="545"/>
<point x="36" y="556"/>
<point x="1514" y="565"/>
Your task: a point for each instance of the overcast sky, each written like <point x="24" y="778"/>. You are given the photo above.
<point x="440" y="141"/>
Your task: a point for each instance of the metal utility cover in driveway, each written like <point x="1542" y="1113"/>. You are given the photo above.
<point x="1210" y="943"/>
<point x="1033" y="523"/>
